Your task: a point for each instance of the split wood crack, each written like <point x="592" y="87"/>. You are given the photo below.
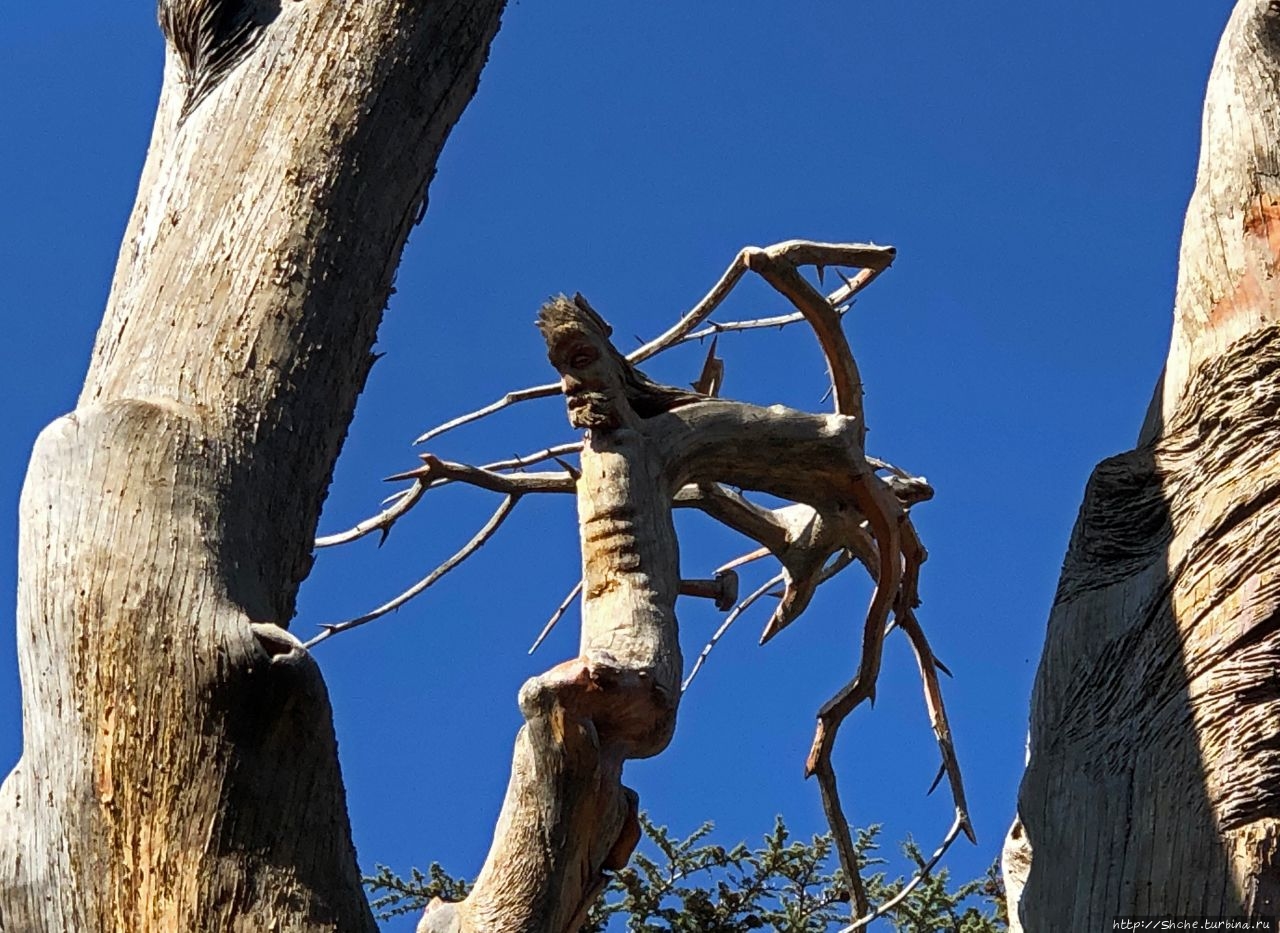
<point x="648" y="448"/>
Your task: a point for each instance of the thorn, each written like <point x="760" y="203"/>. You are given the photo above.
<point x="844" y="278"/>
<point x="415" y="473"/>
<point x="776" y="594"/>
<point x="569" y="468"/>
<point x="820" y="269"/>
<point x="429" y="463"/>
<point x="937" y="779"/>
<point x="712" y="375"/>
<point x="385" y="533"/>
<point x="942" y="667"/>
<point x="744" y="559"/>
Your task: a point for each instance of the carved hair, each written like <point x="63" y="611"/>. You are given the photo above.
<point x="562" y="316"/>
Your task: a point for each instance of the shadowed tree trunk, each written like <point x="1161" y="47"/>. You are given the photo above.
<point x="1153" y="786"/>
<point x="179" y="770"/>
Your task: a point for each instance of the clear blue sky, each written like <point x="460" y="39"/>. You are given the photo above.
<point x="1031" y="161"/>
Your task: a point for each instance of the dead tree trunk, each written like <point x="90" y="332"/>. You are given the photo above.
<point x="648" y="448"/>
<point x="179" y="770"/>
<point x="1153" y="786"/>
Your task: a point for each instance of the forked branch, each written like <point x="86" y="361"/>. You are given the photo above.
<point x="871" y="259"/>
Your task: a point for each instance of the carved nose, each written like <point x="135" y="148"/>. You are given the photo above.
<point x="570" y="384"/>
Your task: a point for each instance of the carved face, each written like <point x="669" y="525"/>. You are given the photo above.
<point x="590" y="378"/>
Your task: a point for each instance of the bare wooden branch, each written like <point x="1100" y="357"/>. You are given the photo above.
<point x="711" y="378"/>
<point x="483" y="535"/>
<point x="556" y="616"/>
<point x="922" y="873"/>
<point x="511" y="398"/>
<point x="402" y="502"/>
<point x="778" y="264"/>
<point x="846" y="852"/>
<point x="871" y="259"/>
<point x="928" y="665"/>
<point x="778" y="321"/>
<point x="737" y="511"/>
<point x="435" y="471"/>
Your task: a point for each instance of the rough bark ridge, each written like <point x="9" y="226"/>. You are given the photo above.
<point x="179" y="767"/>
<point x="1153" y="785"/>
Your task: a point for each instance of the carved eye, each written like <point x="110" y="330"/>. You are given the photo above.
<point x="582" y="358"/>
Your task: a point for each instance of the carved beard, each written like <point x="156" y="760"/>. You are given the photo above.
<point x="593" y="411"/>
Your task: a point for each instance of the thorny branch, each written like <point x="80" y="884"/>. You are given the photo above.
<point x="484" y="534"/>
<point x="866" y="520"/>
<point x="556" y="616"/>
<point x="877" y="259"/>
<point x="403" y="501"/>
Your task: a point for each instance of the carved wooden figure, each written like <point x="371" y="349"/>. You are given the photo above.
<point x="647" y="449"/>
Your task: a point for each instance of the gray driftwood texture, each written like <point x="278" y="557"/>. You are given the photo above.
<point x="179" y="770"/>
<point x="1153" y="785"/>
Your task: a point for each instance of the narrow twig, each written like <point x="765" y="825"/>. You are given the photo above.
<point x="519" y="395"/>
<point x="777" y="265"/>
<point x="404" y="500"/>
<point x="556" y="616"/>
<point x="697" y="314"/>
<point x="724" y="627"/>
<point x="434" y="470"/>
<point x="911" y="885"/>
<point x="888" y="577"/>
<point x="484" y="534"/>
<point x="744" y="559"/>
<point x="792" y="253"/>
<point x="539" y="456"/>
<point x="846" y="851"/>
<point x="692" y="319"/>
<point x="937" y="714"/>
<point x="778" y="321"/>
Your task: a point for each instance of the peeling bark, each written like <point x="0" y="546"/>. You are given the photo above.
<point x="179" y="769"/>
<point x="1153" y="786"/>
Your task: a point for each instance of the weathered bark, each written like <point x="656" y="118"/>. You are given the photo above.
<point x="179" y="768"/>
<point x="1153" y="785"/>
